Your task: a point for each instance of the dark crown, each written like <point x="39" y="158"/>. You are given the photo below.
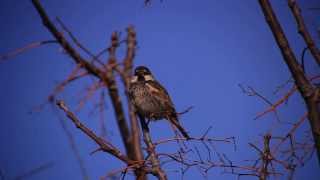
<point x="141" y="70"/>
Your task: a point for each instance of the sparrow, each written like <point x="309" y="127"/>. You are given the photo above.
<point x="151" y="100"/>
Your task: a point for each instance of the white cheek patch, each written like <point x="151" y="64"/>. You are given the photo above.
<point x="148" y="78"/>
<point x="134" y="79"/>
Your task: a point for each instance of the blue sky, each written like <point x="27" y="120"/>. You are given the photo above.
<point x="199" y="50"/>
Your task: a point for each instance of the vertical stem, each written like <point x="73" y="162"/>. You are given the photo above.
<point x="156" y="169"/>
<point x="127" y="70"/>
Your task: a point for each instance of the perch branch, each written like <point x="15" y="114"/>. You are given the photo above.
<point x="156" y="169"/>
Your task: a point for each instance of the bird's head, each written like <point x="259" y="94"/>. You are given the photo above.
<point x="142" y="73"/>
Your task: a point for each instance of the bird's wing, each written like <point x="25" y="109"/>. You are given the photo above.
<point x="159" y="92"/>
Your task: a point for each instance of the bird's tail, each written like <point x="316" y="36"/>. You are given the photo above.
<point x="174" y="120"/>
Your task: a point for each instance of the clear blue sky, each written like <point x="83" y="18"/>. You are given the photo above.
<point x="199" y="50"/>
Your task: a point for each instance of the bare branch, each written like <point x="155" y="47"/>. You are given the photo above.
<point x="34" y="171"/>
<point x="104" y="146"/>
<point x="63" y="42"/>
<point x="156" y="169"/>
<point x="308" y="92"/>
<point x="24" y="49"/>
<point x="105" y="76"/>
<point x="74" y="39"/>
<point x="303" y="31"/>
<point x="72" y="144"/>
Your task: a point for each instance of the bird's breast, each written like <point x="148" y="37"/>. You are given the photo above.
<point x="145" y="103"/>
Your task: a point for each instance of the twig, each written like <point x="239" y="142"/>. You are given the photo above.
<point x="252" y="92"/>
<point x="226" y="140"/>
<point x="71" y="77"/>
<point x="73" y="146"/>
<point x="302" y="58"/>
<point x="105" y="146"/>
<point x="34" y="171"/>
<point x="63" y="42"/>
<point x="24" y="49"/>
<point x="75" y="40"/>
<point x="293" y="129"/>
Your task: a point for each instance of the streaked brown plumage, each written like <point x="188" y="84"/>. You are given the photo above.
<point x="151" y="100"/>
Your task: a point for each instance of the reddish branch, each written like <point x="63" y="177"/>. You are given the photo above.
<point x="309" y="93"/>
<point x="266" y="158"/>
<point x="74" y="75"/>
<point x="72" y="144"/>
<point x="74" y="39"/>
<point x="25" y="48"/>
<point x="289" y="155"/>
<point x="126" y="76"/>
<point x="205" y="139"/>
<point x="291" y="132"/>
<point x="77" y="43"/>
<point x="116" y="101"/>
<point x="104" y="146"/>
<point x="273" y="106"/>
<point x="267" y="164"/>
<point x="155" y="163"/>
<point x="282" y="100"/>
<point x="105" y="76"/>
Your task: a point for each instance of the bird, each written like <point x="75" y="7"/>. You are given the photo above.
<point x="151" y="100"/>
